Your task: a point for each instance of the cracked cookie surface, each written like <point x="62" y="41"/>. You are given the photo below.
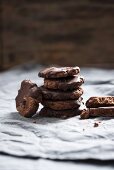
<point x="59" y="72"/>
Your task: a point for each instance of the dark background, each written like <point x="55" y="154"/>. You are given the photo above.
<point x="64" y="32"/>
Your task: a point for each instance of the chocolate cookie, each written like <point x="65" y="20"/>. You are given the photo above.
<point x="97" y="112"/>
<point x="94" y="102"/>
<point x="62" y="105"/>
<point x="54" y="72"/>
<point x="28" y="98"/>
<point x="46" y="112"/>
<point x="61" y="95"/>
<point x="64" y="84"/>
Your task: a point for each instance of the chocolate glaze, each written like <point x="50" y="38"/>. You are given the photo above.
<point x="60" y="72"/>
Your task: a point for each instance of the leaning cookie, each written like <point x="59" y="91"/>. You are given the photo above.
<point x="59" y="72"/>
<point x="64" y="84"/>
<point x="97" y="112"/>
<point x="62" y="105"/>
<point x="61" y="95"/>
<point x="63" y="114"/>
<point x="94" y="102"/>
<point x="28" y="98"/>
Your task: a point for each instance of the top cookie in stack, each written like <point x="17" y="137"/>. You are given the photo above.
<point x="61" y="91"/>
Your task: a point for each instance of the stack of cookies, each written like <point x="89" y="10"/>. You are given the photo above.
<point x="99" y="106"/>
<point x="61" y="92"/>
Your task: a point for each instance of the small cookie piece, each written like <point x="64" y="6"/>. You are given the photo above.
<point x="94" y="102"/>
<point x="95" y="124"/>
<point x="85" y="114"/>
<point x="64" y="84"/>
<point x="28" y="98"/>
<point x="59" y="72"/>
<point x="97" y="112"/>
<point x="62" y="105"/>
<point x="61" y="95"/>
<point x="46" y="112"/>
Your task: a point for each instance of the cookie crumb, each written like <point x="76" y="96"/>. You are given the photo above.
<point x="96" y="124"/>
